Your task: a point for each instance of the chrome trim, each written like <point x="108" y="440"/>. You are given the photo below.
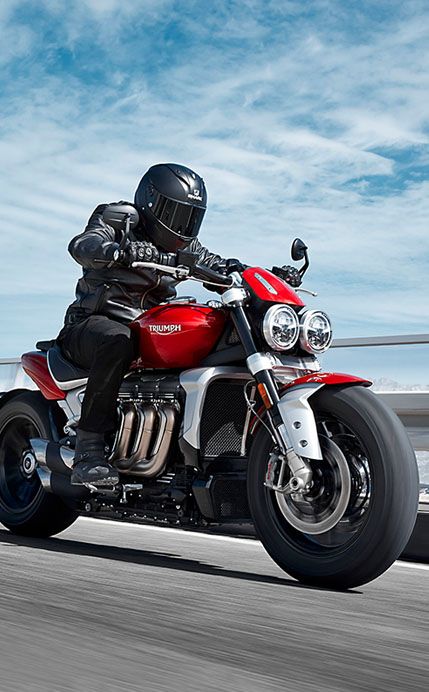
<point x="288" y="368"/>
<point x="303" y="363"/>
<point x="152" y="422"/>
<point x="146" y="415"/>
<point x="299" y="423"/>
<point x="162" y="425"/>
<point x="265" y="283"/>
<point x="118" y="434"/>
<point x="234" y="296"/>
<point x="45" y="478"/>
<point x="39" y="447"/>
<point x="195" y="383"/>
<point x="156" y="463"/>
<point x="266" y="326"/>
<point x="259" y="361"/>
<point x="120" y="451"/>
<point x="67" y="456"/>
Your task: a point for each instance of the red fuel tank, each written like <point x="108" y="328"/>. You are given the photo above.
<point x="177" y="335"/>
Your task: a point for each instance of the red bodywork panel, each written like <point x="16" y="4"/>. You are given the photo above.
<point x="270" y="288"/>
<point x="324" y="378"/>
<point x="330" y="378"/>
<point x="35" y="365"/>
<point x="177" y="335"/>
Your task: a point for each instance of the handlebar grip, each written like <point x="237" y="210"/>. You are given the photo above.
<point x="168" y="259"/>
<point x="208" y="274"/>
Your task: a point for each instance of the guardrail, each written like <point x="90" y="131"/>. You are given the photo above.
<point x="401" y="340"/>
<point x="12" y="376"/>
<point x="412" y="407"/>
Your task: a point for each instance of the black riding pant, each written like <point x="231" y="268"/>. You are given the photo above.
<point x="105" y="348"/>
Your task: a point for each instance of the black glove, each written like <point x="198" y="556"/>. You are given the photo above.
<point x="227" y="266"/>
<point x="288" y="274"/>
<point x="139" y="251"/>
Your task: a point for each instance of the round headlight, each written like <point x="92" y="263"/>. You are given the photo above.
<point x="281" y="327"/>
<point x="316" y="331"/>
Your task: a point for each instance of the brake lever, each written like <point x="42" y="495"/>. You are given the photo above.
<point x="180" y="272"/>
<point x="306" y="290"/>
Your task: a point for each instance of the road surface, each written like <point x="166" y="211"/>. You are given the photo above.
<point x="110" y="607"/>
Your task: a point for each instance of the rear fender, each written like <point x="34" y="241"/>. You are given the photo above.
<point x="299" y="425"/>
<point x="56" y="416"/>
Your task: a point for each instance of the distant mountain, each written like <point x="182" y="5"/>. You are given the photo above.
<point x="384" y="384"/>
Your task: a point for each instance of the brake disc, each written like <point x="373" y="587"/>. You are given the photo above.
<point x="320" y="509"/>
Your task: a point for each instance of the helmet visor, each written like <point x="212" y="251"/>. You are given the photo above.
<point x="183" y="219"/>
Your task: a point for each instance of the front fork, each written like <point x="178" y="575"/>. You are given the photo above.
<point x="285" y="429"/>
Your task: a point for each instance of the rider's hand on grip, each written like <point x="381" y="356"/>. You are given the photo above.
<point x="140" y="251"/>
<point x="227" y="266"/>
<point x="168" y="259"/>
<point x="288" y="274"/>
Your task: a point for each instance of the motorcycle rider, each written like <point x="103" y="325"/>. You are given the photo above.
<point x="171" y="201"/>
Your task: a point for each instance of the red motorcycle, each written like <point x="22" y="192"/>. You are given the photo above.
<point x="225" y="417"/>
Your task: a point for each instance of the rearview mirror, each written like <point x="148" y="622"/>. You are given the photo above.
<point x="116" y="215"/>
<point x="298" y="250"/>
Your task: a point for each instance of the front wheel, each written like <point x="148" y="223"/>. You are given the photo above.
<point x="365" y="492"/>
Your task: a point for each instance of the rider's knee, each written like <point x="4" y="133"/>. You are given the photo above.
<point x="120" y="345"/>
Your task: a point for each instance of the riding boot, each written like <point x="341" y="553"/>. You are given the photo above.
<point x="90" y="466"/>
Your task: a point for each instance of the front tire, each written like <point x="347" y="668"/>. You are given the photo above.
<point x="25" y="508"/>
<point x="383" y="503"/>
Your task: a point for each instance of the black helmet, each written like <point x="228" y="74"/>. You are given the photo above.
<point x="172" y="202"/>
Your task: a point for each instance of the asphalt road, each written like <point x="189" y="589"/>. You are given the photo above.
<point x="109" y="607"/>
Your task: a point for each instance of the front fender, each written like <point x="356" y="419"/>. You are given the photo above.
<point x="299" y="425"/>
<point x="327" y="378"/>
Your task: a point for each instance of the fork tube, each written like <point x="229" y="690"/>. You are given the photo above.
<point x="263" y="376"/>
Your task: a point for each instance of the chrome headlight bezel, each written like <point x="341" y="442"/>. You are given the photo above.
<point x="269" y="323"/>
<point x="305" y="328"/>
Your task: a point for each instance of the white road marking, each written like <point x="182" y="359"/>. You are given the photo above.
<point x="213" y="537"/>
<point x="411" y="565"/>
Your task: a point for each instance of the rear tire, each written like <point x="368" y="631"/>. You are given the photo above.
<point x="374" y="531"/>
<point x="25" y="507"/>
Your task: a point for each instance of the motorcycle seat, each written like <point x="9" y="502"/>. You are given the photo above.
<point x="65" y="374"/>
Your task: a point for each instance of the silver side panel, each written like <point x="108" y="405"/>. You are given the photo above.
<point x="72" y="405"/>
<point x="195" y="383"/>
<point x="298" y="420"/>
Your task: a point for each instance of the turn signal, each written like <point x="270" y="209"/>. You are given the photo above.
<point x="264" y="395"/>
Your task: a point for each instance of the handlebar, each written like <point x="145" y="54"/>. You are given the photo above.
<point x="168" y="264"/>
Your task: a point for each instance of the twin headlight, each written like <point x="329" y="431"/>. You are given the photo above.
<point x="282" y="329"/>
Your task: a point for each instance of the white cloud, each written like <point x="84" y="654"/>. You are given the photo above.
<point x="291" y="131"/>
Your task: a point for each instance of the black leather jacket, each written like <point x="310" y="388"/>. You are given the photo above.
<point x="118" y="292"/>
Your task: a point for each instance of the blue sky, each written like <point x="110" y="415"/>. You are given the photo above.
<point x="305" y="118"/>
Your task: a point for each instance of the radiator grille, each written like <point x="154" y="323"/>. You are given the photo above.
<point x="223" y="419"/>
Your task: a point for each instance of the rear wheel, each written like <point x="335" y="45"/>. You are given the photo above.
<point x="362" y="506"/>
<point x="25" y="508"/>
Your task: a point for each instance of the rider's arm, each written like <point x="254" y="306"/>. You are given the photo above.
<point x="211" y="260"/>
<point x="96" y="244"/>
